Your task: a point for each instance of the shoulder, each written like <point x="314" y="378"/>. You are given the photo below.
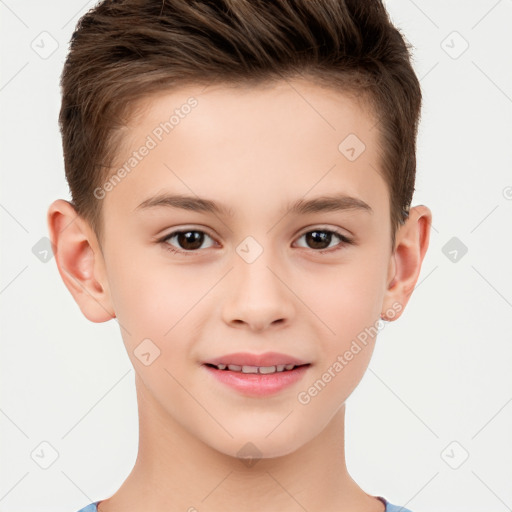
<point x="92" y="508"/>
<point x="390" y="507"/>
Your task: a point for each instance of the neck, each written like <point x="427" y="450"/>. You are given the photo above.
<point x="175" y="471"/>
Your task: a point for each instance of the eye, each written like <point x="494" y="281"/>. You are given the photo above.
<point x="191" y="240"/>
<point x="322" y="238"/>
<point x="188" y="240"/>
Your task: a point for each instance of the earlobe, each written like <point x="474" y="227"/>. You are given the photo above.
<point x="411" y="246"/>
<point x="79" y="261"/>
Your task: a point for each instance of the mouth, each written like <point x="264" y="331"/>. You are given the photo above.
<point x="256" y="381"/>
<point x="263" y="370"/>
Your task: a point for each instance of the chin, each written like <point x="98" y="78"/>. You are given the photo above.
<point x="250" y="449"/>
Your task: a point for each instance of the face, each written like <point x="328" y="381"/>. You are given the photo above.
<point x="256" y="275"/>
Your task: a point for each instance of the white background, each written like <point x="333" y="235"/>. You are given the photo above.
<point x="439" y="387"/>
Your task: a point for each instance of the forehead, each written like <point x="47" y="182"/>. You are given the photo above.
<point x="246" y="145"/>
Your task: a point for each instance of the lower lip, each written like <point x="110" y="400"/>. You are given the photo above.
<point x="257" y="384"/>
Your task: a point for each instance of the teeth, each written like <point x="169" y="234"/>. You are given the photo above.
<point x="249" y="369"/>
<point x="256" y="369"/>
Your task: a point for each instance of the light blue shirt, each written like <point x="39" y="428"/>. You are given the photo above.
<point x="389" y="507"/>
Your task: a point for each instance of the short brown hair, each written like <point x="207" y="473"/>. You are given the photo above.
<point x="124" y="50"/>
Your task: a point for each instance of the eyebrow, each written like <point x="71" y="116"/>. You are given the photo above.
<point x="325" y="203"/>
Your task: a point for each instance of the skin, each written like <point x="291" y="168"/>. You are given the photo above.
<point x="272" y="147"/>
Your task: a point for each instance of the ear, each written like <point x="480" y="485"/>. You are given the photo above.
<point x="80" y="261"/>
<point x="404" y="267"/>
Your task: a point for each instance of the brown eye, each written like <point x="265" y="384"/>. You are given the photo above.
<point x="320" y="240"/>
<point x="189" y="240"/>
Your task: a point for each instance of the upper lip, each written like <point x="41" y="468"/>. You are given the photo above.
<point x="247" y="359"/>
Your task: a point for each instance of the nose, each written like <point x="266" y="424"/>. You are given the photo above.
<point x="257" y="296"/>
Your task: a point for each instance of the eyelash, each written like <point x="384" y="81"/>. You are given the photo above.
<point x="343" y="241"/>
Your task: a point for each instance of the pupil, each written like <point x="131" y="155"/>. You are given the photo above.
<point x="190" y="237"/>
<point x="319" y="237"/>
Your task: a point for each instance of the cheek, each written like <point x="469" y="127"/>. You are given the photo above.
<point x="349" y="301"/>
<point x="349" y="310"/>
<point x="157" y="302"/>
<point x="148" y="293"/>
<point x="349" y="296"/>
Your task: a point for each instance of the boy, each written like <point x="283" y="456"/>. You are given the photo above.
<point x="281" y="135"/>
